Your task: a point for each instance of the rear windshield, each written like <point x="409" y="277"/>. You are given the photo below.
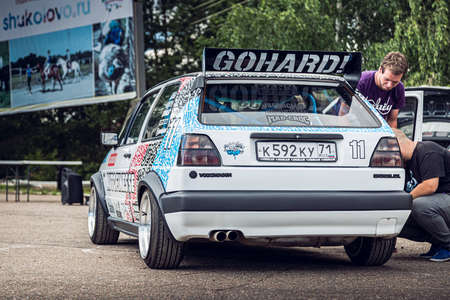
<point x="283" y="104"/>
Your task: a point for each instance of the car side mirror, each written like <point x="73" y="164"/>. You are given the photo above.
<point x="109" y="139"/>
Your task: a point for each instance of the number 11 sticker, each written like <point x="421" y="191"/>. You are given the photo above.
<point x="358" y="149"/>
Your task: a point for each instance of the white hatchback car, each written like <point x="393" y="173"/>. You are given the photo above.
<point x="262" y="147"/>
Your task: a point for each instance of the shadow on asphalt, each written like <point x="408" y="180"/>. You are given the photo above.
<point x="209" y="255"/>
<point x="128" y="241"/>
<point x="203" y="255"/>
<point x="246" y="258"/>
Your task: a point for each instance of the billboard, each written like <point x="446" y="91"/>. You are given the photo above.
<point x="56" y="53"/>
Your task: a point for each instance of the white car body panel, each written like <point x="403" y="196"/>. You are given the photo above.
<point x="187" y="225"/>
<point x="345" y="152"/>
<point x="286" y="179"/>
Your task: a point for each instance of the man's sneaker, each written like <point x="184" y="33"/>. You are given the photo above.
<point x="442" y="255"/>
<point x="433" y="250"/>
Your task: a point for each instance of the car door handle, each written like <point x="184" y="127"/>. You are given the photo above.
<point x="127" y="155"/>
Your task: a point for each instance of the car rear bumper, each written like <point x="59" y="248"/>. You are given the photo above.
<point x="284" y="201"/>
<point x="192" y="214"/>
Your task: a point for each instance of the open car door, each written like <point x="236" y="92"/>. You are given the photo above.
<point x="410" y="117"/>
<point x="428" y="108"/>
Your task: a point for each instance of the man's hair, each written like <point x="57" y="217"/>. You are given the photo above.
<point x="395" y="62"/>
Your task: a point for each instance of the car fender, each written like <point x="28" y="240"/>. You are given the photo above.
<point x="152" y="182"/>
<point x="97" y="182"/>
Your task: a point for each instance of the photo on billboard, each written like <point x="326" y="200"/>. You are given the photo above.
<point x="5" y="98"/>
<point x="114" y="57"/>
<point x="51" y="67"/>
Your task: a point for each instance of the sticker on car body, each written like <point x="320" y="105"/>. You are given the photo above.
<point x="112" y="160"/>
<point x="234" y="149"/>
<point x="358" y="149"/>
<point x="273" y="118"/>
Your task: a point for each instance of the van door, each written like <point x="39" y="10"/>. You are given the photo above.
<point x="410" y="118"/>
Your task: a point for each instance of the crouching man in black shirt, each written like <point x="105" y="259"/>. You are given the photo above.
<point x="428" y="182"/>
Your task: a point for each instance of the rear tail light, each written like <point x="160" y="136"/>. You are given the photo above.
<point x="197" y="150"/>
<point x="387" y="154"/>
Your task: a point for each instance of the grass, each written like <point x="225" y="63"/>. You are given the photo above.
<point x="34" y="190"/>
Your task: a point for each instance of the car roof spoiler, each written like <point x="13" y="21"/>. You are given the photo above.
<point x="279" y="61"/>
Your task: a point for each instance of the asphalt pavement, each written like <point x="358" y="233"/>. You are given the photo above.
<point x="45" y="253"/>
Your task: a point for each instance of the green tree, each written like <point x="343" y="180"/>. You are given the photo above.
<point x="418" y="28"/>
<point x="175" y="33"/>
<point x="422" y="34"/>
<point x="359" y="24"/>
<point x="60" y="134"/>
<point x="284" y="24"/>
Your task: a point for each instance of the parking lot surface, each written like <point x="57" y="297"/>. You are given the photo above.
<point x="45" y="253"/>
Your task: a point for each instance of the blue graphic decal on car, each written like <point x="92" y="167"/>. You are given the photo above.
<point x="182" y="113"/>
<point x="234" y="149"/>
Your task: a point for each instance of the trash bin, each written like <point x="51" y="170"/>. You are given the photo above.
<point x="71" y="187"/>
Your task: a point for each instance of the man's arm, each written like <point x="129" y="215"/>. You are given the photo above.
<point x="392" y="118"/>
<point x="425" y="188"/>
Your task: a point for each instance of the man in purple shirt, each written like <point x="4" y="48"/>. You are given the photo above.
<point x="383" y="88"/>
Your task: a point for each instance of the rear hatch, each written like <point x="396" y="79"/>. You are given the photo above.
<point x="295" y="135"/>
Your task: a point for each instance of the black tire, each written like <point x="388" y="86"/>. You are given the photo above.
<point x="157" y="247"/>
<point x="99" y="230"/>
<point x="366" y="251"/>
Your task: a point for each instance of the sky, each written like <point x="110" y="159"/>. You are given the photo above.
<point x="76" y="39"/>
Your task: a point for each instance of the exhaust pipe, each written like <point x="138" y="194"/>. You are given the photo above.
<point x="219" y="236"/>
<point x="232" y="235"/>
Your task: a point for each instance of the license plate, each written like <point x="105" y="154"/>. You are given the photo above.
<point x="296" y="151"/>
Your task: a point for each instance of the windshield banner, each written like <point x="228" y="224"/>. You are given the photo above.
<point x="56" y="53"/>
